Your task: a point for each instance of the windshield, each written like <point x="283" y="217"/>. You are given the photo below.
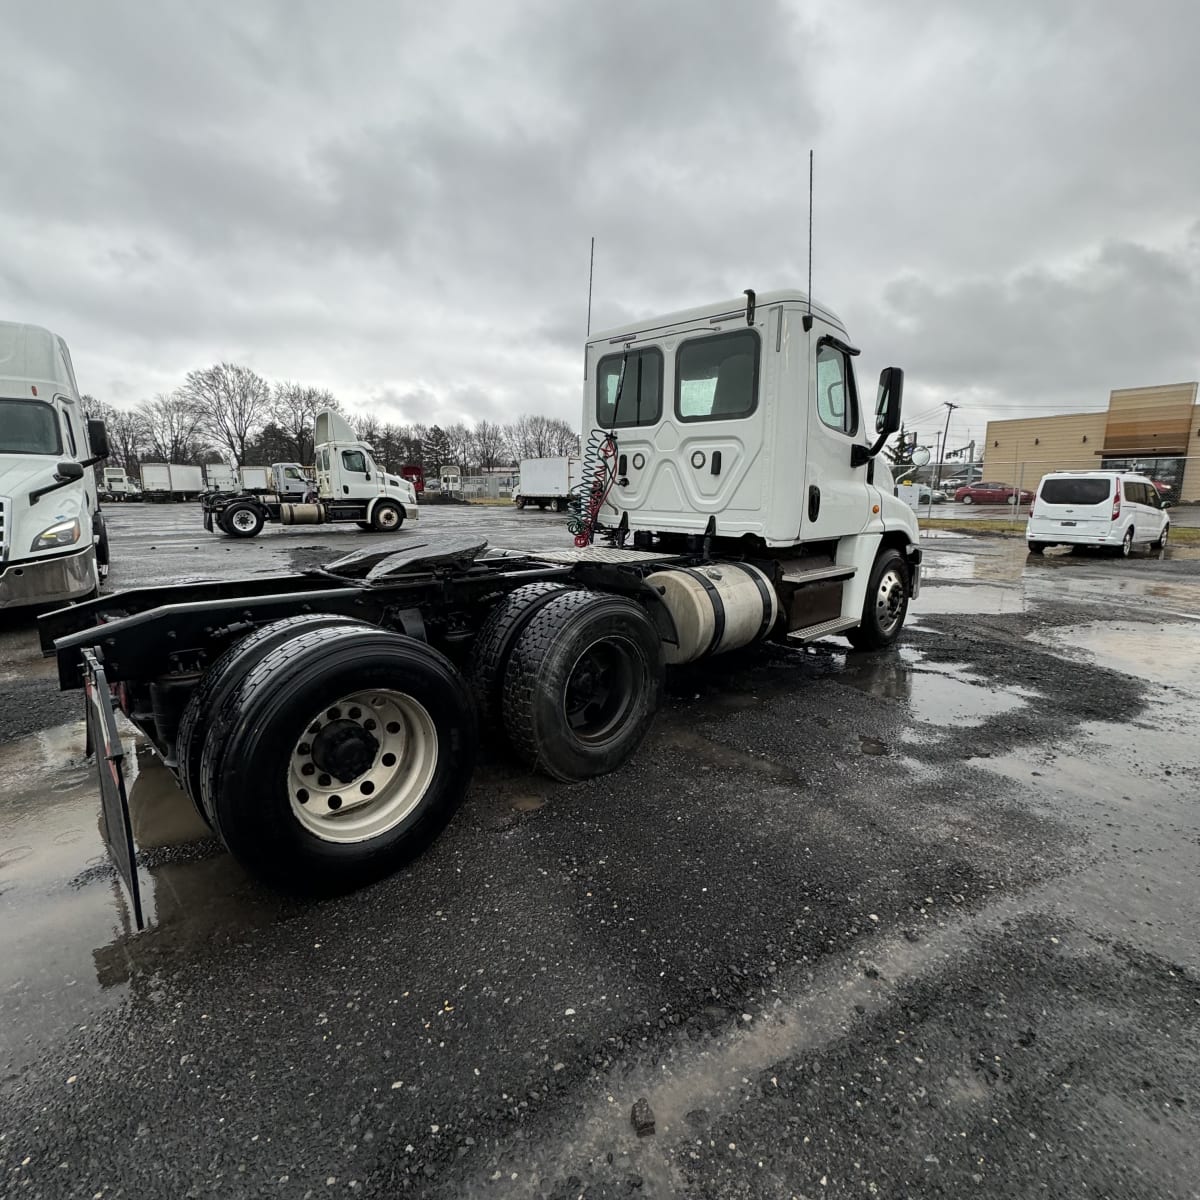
<point x="1075" y="491"/>
<point x="28" y="427"/>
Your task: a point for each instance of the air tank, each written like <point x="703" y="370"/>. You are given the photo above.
<point x="715" y="608"/>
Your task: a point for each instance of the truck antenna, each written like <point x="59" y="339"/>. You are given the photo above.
<point x="591" y="265"/>
<point x="808" y="317"/>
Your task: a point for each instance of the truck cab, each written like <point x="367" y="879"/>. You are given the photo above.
<point x="742" y="424"/>
<point x="290" y="481"/>
<point x="53" y="545"/>
<point x="348" y="478"/>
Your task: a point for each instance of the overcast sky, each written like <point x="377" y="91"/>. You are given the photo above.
<point x="395" y="200"/>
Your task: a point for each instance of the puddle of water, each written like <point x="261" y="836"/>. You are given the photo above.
<point x="1162" y="654"/>
<point x="67" y="945"/>
<point x="934" y="693"/>
<point x="982" y="598"/>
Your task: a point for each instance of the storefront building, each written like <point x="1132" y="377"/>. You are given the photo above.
<point x="1153" y="430"/>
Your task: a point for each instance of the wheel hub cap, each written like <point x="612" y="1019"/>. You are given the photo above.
<point x="344" y="749"/>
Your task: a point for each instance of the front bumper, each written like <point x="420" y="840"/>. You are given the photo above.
<point x="410" y="512"/>
<point x="48" y="580"/>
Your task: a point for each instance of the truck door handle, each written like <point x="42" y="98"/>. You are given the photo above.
<point x="814" y="502"/>
<point x="622" y="468"/>
<point x="716" y="462"/>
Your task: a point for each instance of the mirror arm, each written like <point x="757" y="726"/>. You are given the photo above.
<point x="37" y="494"/>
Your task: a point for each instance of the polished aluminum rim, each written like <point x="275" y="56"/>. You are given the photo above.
<point x="889" y="602"/>
<point x="362" y="765"/>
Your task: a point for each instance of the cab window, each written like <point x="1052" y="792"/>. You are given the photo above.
<point x="291" y="472"/>
<point x="837" y="404"/>
<point x="716" y="378"/>
<point x="354" y="460"/>
<point x="629" y="389"/>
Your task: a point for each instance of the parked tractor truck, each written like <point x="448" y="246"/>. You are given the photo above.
<point x="325" y="724"/>
<point x="53" y="541"/>
<point x="350" y="487"/>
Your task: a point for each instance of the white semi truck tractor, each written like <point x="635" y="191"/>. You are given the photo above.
<point x="351" y="488"/>
<point x="53" y="541"/>
<point x="325" y="724"/>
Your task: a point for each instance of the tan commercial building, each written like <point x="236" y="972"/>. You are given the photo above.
<point x="1153" y="430"/>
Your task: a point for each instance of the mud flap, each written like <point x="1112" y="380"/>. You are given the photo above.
<point x="104" y="741"/>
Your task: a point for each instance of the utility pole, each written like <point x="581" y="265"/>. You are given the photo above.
<point x="945" y="438"/>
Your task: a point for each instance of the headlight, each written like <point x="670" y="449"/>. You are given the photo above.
<point x="65" y="533"/>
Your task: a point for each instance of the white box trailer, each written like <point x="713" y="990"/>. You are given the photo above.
<point x="546" y="482"/>
<point x="256" y="479"/>
<point x="220" y="477"/>
<point x="171" y="481"/>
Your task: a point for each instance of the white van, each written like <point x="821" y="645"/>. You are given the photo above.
<point x="1097" y="508"/>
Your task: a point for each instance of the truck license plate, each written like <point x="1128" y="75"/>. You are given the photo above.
<point x="1066" y="523"/>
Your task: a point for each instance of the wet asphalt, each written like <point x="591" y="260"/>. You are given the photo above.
<point x="919" y="923"/>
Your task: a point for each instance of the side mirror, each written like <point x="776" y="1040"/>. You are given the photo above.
<point x="888" y="402"/>
<point x="68" y="472"/>
<point x="98" y="438"/>
<point x="887" y="415"/>
<point x="1166" y="504"/>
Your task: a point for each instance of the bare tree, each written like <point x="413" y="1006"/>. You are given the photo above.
<point x="367" y="428"/>
<point x="563" y="439"/>
<point x="232" y="403"/>
<point x="529" y="436"/>
<point x="172" y="423"/>
<point x="489" y="446"/>
<point x="294" y="409"/>
<point x="127" y="437"/>
<point x="459" y="446"/>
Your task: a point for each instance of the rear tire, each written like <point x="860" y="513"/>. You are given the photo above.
<point x="338" y="758"/>
<point x="494" y="643"/>
<point x="520" y="502"/>
<point x="242" y="520"/>
<point x="886" y="603"/>
<point x="225" y="674"/>
<point x="968" y="500"/>
<point x="387" y="517"/>
<point x="560" y="505"/>
<point x="582" y="685"/>
<point x="1126" y="549"/>
<point x="1037" y="547"/>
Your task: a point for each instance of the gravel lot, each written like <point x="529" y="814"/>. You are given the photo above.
<point x="913" y="923"/>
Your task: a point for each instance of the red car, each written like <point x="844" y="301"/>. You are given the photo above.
<point x="993" y="493"/>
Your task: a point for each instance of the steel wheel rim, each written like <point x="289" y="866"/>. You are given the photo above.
<point x="598" y="692"/>
<point x="242" y="519"/>
<point x="889" y="602"/>
<point x="395" y="772"/>
<point x="388" y="517"/>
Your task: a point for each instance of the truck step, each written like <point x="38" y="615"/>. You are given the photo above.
<point x="802" y="574"/>
<point x="824" y="629"/>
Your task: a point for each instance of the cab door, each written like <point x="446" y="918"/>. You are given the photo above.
<point x="836" y="500"/>
<point x="356" y="477"/>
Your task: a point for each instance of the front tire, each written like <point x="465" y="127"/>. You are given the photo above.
<point x="886" y="603"/>
<point x="582" y="685"/>
<point x="1161" y="544"/>
<point x="362" y="744"/>
<point x="968" y="500"/>
<point x="102" y="551"/>
<point x="387" y="517"/>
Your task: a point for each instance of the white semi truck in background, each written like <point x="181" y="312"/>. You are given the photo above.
<point x="171" y="481"/>
<point x="220" y="477"/>
<point x="116" y="485"/>
<point x="546" y="482"/>
<point x="53" y="543"/>
<point x="350" y="487"/>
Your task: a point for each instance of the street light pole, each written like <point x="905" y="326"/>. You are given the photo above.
<point x="945" y="438"/>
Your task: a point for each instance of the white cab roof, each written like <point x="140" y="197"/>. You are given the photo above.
<point x="648" y="326"/>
